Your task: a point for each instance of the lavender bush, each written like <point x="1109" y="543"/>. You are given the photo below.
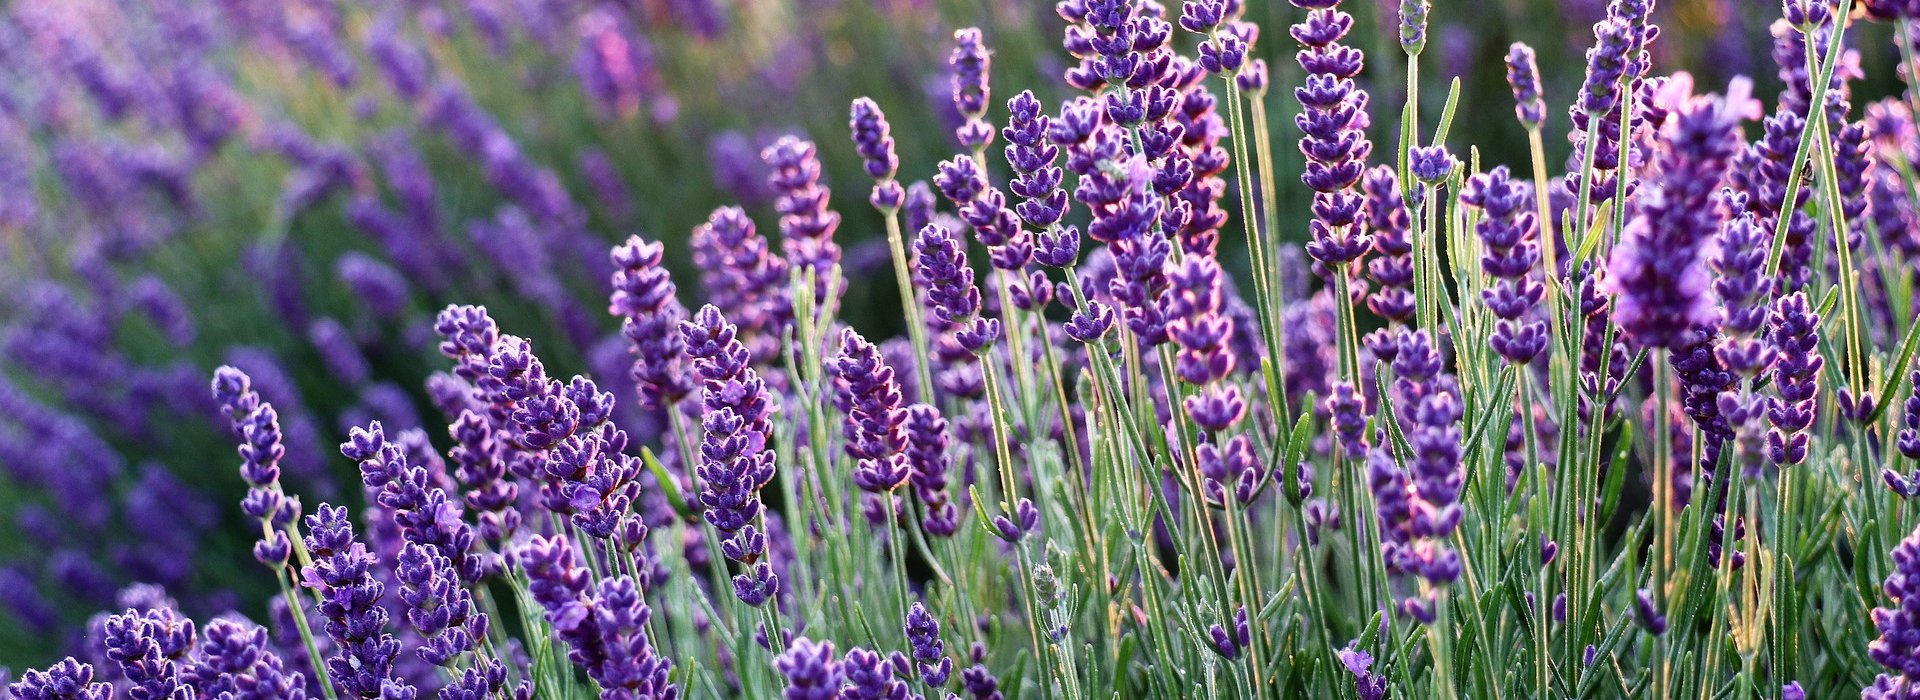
<point x="1152" y="406"/>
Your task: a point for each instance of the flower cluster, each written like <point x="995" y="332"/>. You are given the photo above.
<point x="1512" y="250"/>
<point x="1334" y="132"/>
<point x="735" y="457"/>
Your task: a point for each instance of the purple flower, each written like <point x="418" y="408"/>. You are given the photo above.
<point x="1333" y="137"/>
<point x="736" y="460"/>
<point x="970" y="63"/>
<point x="67" y="680"/>
<point x="870" y="676"/>
<point x="150" y="647"/>
<point x="260" y="453"/>
<point x="1511" y="251"/>
<point x="1523" y="75"/>
<point x="940" y="265"/>
<point x="381" y="288"/>
<point x="1761" y="171"/>
<point x="338" y="351"/>
<point x="1658" y="270"/>
<point x="1192" y="303"/>
<point x="1349" y="418"/>
<point x="1231" y="644"/>
<point x="1795" y="335"/>
<point x="811" y="671"/>
<point x="1430" y="164"/>
<point x="617" y="67"/>
<point x="1647" y="615"/>
<point x="1025" y="519"/>
<point x="743" y="280"/>
<point x="235" y="658"/>
<point x="1036" y="179"/>
<point x="1615" y="64"/>
<point x="976" y="679"/>
<point x="342" y="575"/>
<point x="1745" y="290"/>
<point x="1898" y="647"/>
<point x="604" y="625"/>
<point x="1392" y="265"/>
<point x="874" y="142"/>
<point x="438" y="606"/>
<point x="1369" y="685"/>
<point x="806" y="224"/>
<point x="1909" y="437"/>
<point x="929" y="653"/>
<point x="643" y="300"/>
<point x="984" y="208"/>
<point x="926" y="451"/>
<point x="870" y="394"/>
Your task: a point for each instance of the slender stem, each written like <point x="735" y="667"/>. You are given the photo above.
<point x="910" y="304"/>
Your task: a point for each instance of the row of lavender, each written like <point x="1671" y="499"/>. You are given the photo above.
<point x="1108" y="471"/>
<point x="171" y="165"/>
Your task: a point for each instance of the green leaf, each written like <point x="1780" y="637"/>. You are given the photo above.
<point x="1446" y="113"/>
<point x="667" y="485"/>
<point x="1894" y="371"/>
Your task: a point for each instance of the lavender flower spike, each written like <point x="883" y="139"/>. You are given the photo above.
<point x="1511" y="252"/>
<point x="806" y="223"/>
<point x="1332" y="123"/>
<point x="870" y="394"/>
<point x="970" y="62"/>
<point x="736" y="459"/>
<point x="1909" y="436"/>
<point x="1523" y="75"/>
<point x="341" y="573"/>
<point x="873" y="139"/>
<point x="643" y="298"/>
<point x="1659" y="268"/>
<point x="67" y="680"/>
<point x="1796" y="378"/>
<point x="929" y="653"/>
<point x="260" y="454"/>
<point x="940" y="264"/>
<point x="1898" y="647"/>
<point x="811" y="671"/>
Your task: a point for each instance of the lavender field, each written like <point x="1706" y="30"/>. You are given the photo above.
<point x="959" y="349"/>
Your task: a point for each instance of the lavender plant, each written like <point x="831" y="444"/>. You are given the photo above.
<point x="1196" y="415"/>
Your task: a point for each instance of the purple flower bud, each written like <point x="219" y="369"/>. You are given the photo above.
<point x="971" y="62"/>
<point x="810" y="670"/>
<point x="67" y="680"/>
<point x="1511" y="252"/>
<point x="806" y="224"/>
<point x="1026" y="518"/>
<point x="873" y="140"/>
<point x="1430" y="164"/>
<point x="643" y="299"/>
<point x="1413" y="25"/>
<point x="1796" y="378"/>
<point x="1647" y="615"/>
<point x="1523" y="75"/>
<point x="1909" y="436"/>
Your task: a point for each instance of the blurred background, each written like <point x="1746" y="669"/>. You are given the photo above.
<point x="295" y="187"/>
